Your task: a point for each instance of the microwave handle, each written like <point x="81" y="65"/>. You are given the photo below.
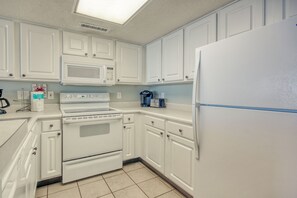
<point x="104" y="74"/>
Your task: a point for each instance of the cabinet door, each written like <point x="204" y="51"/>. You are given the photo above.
<point x="172" y="57"/>
<point x="75" y="44"/>
<point x="6" y="49"/>
<point x="51" y="154"/>
<point x="39" y="53"/>
<point x="198" y="34"/>
<point x="128" y="141"/>
<point x="291" y="8"/>
<point x="240" y="17"/>
<point x="153" y="61"/>
<point x="154" y="148"/>
<point x="179" y="167"/>
<point x="102" y="48"/>
<point x="274" y="11"/>
<point x="129" y="63"/>
<point x="31" y="182"/>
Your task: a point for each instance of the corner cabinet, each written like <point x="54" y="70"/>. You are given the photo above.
<point x="102" y="48"/>
<point x="242" y="16"/>
<point x="172" y="57"/>
<point x="128" y="63"/>
<point x="40" y="53"/>
<point x="198" y="34"/>
<point x="154" y="62"/>
<point x="6" y="49"/>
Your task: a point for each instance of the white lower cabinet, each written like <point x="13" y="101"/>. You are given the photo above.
<point x="128" y="141"/>
<point x="154" y="147"/>
<point x="51" y="150"/>
<point x="179" y="166"/>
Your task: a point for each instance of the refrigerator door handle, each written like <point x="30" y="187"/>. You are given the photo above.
<point x="196" y="104"/>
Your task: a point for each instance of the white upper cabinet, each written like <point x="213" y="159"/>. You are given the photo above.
<point x="154" y="61"/>
<point x="75" y="44"/>
<point x="274" y="11"/>
<point x="6" y="49"/>
<point x="39" y="53"/>
<point x="198" y="34"/>
<point x="240" y="17"/>
<point x="128" y="63"/>
<point x="102" y="48"/>
<point x="172" y="57"/>
<point x="291" y="8"/>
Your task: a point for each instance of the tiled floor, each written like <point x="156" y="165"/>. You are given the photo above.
<point x="133" y="181"/>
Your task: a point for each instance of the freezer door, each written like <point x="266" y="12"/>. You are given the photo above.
<point x="255" y="69"/>
<point x="246" y="153"/>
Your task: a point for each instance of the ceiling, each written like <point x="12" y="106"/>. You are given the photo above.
<point x="156" y="19"/>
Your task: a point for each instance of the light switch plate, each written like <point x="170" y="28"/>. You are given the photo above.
<point x="50" y="95"/>
<point x="119" y="95"/>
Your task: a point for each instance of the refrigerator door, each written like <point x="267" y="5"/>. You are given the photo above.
<point x="246" y="154"/>
<point x="255" y="69"/>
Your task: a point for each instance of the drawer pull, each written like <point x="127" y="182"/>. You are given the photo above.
<point x="152" y="122"/>
<point x="58" y="134"/>
<point x="180" y="130"/>
<point x="124" y="127"/>
<point x="34" y="153"/>
<point x="168" y="135"/>
<point x="161" y="133"/>
<point x="51" y="125"/>
<point x="129" y="119"/>
<point x="35" y="148"/>
<point x="86" y="54"/>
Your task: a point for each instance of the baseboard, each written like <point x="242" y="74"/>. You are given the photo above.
<point x="49" y="181"/>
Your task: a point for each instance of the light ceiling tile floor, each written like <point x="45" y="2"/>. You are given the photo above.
<point x="71" y="193"/>
<point x="141" y="175"/>
<point x="94" y="189"/>
<point x="119" y="182"/>
<point x="41" y="192"/>
<point x="154" y="187"/>
<point x="113" y="173"/>
<point x="60" y="187"/>
<point x="130" y="192"/>
<point x="89" y="180"/>
<point x="133" y="166"/>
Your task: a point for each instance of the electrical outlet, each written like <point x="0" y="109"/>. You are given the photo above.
<point x="119" y="95"/>
<point x="50" y="95"/>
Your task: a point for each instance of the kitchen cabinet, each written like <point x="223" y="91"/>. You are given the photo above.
<point x="6" y="49"/>
<point x="291" y="8"/>
<point x="40" y="54"/>
<point x="51" y="154"/>
<point x="75" y="44"/>
<point x="102" y="48"/>
<point x="240" y="17"/>
<point x="172" y="57"/>
<point x="154" y="147"/>
<point x="274" y="11"/>
<point x="154" y="62"/>
<point x="179" y="166"/>
<point x="198" y="34"/>
<point x="128" y="141"/>
<point x="128" y="63"/>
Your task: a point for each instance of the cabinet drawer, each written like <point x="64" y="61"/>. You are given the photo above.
<point x="51" y="125"/>
<point x="155" y="122"/>
<point x="185" y="131"/>
<point x="128" y="118"/>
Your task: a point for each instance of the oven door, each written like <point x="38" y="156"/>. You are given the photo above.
<point x="88" y="138"/>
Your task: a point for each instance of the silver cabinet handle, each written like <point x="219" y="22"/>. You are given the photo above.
<point x="168" y="135"/>
<point x="24" y="75"/>
<point x="58" y="134"/>
<point x="86" y="54"/>
<point x="186" y="77"/>
<point x="161" y="133"/>
<point x="180" y="130"/>
<point x="35" y="148"/>
<point x="51" y="125"/>
<point x="94" y="55"/>
<point x="129" y="119"/>
<point x="163" y="79"/>
<point x="10" y="74"/>
<point x="124" y="127"/>
<point x="152" y="122"/>
<point x="34" y="153"/>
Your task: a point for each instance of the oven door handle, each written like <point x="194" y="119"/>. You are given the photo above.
<point x="91" y="122"/>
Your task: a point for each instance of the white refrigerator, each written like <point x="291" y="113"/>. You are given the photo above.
<point x="245" y="115"/>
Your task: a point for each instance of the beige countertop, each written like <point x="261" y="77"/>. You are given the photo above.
<point x="184" y="116"/>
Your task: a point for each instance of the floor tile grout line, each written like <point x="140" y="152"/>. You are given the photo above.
<point x="139" y="186"/>
<point x="61" y="190"/>
<point x="107" y="186"/>
<point x="79" y="189"/>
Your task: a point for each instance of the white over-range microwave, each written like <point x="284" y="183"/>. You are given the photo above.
<point x="87" y="71"/>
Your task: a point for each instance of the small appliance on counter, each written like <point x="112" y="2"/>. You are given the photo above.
<point x="158" y="102"/>
<point x="3" y="103"/>
<point x="37" y="101"/>
<point x="145" y="98"/>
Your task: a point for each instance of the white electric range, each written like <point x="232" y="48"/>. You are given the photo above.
<point x="92" y="135"/>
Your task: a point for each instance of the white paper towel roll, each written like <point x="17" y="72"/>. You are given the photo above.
<point x="37" y="101"/>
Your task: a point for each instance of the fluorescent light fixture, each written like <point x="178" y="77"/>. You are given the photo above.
<point x="117" y="11"/>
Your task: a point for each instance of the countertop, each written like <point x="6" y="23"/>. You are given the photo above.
<point x="8" y="128"/>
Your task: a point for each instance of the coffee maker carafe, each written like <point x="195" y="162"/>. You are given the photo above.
<point x="3" y="103"/>
<point x="145" y="98"/>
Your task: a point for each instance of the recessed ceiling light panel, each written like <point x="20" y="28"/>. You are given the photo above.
<point x="117" y="11"/>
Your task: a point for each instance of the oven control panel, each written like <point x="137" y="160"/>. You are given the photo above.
<point x="84" y="97"/>
<point x="92" y="118"/>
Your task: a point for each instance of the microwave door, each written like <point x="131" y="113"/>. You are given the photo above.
<point x="83" y="74"/>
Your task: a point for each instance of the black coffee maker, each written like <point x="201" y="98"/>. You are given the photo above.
<point x="145" y="98"/>
<point x="3" y="103"/>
